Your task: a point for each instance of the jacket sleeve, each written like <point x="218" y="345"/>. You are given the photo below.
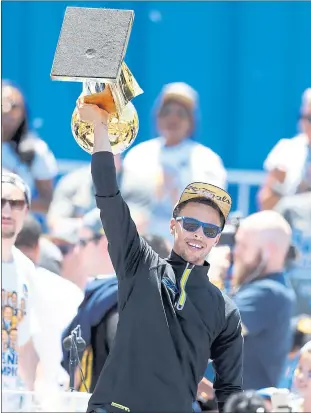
<point x="227" y="356"/>
<point x="125" y="246"/>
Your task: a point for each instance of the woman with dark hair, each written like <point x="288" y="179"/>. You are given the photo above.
<point x="24" y="153"/>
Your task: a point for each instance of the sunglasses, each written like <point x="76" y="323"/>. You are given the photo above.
<point x="65" y="248"/>
<point x="306" y="117"/>
<point x="192" y="225"/>
<point x="167" y="110"/>
<point x="83" y="242"/>
<point x="17" y="204"/>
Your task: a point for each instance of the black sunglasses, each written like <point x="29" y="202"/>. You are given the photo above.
<point x="65" y="248"/>
<point x="306" y="117"/>
<point x="84" y="241"/>
<point x="167" y="110"/>
<point x="17" y="204"/>
<point x="192" y="225"/>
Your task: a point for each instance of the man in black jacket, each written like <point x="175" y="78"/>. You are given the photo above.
<point x="172" y="320"/>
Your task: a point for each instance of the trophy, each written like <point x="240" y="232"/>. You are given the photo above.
<point x="91" y="49"/>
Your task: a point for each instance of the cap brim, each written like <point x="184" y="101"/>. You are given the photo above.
<point x="203" y="190"/>
<point x="59" y="239"/>
<point x="185" y="100"/>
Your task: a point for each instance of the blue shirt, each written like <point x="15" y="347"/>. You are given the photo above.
<point x="266" y="307"/>
<point x="286" y="380"/>
<point x="43" y="167"/>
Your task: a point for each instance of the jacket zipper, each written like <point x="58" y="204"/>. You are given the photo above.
<point x="183" y="281"/>
<point x="120" y="406"/>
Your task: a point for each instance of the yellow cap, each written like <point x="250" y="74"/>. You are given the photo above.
<point x="203" y="190"/>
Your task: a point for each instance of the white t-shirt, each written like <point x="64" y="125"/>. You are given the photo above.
<point x="289" y="155"/>
<point x="154" y="176"/>
<point x="43" y="167"/>
<point x="56" y="302"/>
<point x="17" y="311"/>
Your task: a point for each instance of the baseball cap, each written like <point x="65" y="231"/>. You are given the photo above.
<point x="203" y="190"/>
<point x="92" y="221"/>
<point x="16" y="180"/>
<point x="180" y="92"/>
<point x="66" y="232"/>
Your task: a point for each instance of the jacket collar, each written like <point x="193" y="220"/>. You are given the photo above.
<point x="179" y="265"/>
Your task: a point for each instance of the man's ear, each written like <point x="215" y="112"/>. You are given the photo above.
<point x="172" y="226"/>
<point x="217" y="239"/>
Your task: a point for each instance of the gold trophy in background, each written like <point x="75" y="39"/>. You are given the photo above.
<point x="91" y="49"/>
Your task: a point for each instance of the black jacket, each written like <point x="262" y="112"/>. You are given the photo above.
<point x="98" y="317"/>
<point x="160" y="352"/>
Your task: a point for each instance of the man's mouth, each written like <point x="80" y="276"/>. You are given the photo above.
<point x="6" y="221"/>
<point x="194" y="246"/>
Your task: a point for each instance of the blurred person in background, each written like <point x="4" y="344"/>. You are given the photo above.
<point x="246" y="402"/>
<point x="263" y="297"/>
<point x="23" y="152"/>
<point x="301" y="334"/>
<point x="296" y="209"/>
<point x="289" y="163"/>
<point x="70" y="239"/>
<point x="98" y="313"/>
<point x="59" y="300"/>
<point x="74" y="196"/>
<point x="50" y="256"/>
<point x="65" y="238"/>
<point x="156" y="171"/>
<point x="19" y="355"/>
<point x="302" y="378"/>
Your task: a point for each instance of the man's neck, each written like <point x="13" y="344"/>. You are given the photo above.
<point x="7" y="245"/>
<point x="172" y="141"/>
<point x="272" y="269"/>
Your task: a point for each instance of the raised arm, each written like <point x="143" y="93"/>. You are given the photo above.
<point x="125" y="246"/>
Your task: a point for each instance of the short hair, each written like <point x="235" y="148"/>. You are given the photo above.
<point x="245" y="402"/>
<point x="158" y="244"/>
<point x="30" y="233"/>
<point x="204" y="201"/>
<point x="300" y="335"/>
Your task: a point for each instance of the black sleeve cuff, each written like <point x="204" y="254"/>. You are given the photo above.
<point x="104" y="174"/>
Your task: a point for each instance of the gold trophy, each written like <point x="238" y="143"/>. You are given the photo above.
<point x="91" y="49"/>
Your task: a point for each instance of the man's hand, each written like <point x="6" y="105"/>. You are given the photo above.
<point x="205" y="391"/>
<point x="92" y="113"/>
<point x="99" y="118"/>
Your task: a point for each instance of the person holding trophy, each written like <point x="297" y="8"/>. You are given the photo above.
<point x="172" y="319"/>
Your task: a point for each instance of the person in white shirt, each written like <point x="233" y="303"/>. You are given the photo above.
<point x="288" y="164"/>
<point x="156" y="171"/>
<point x="19" y="355"/>
<point x="23" y="152"/>
<point x="57" y="300"/>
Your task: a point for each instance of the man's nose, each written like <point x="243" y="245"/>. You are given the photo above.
<point x="6" y="209"/>
<point x="199" y="233"/>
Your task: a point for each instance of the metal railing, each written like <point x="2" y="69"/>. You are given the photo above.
<point x="243" y="178"/>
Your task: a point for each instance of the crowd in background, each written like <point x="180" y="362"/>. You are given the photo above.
<point x="263" y="260"/>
